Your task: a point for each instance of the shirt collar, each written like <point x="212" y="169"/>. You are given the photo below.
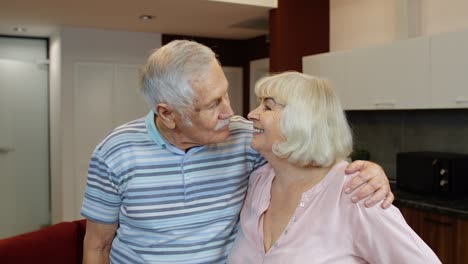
<point x="153" y="131"/>
<point x="158" y="139"/>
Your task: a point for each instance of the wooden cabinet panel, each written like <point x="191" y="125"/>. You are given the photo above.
<point x="440" y="233"/>
<point x="446" y="235"/>
<point x="462" y="241"/>
<point x="412" y="217"/>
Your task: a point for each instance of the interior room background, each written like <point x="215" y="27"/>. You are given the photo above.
<point x="89" y="73"/>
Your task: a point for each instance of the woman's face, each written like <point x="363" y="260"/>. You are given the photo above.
<point x="266" y="118"/>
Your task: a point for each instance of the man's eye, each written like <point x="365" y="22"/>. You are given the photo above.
<point x="267" y="108"/>
<point x="214" y="104"/>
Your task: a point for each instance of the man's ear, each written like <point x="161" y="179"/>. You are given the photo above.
<point x="166" y="115"/>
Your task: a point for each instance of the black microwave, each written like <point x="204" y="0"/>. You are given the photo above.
<point x="433" y="173"/>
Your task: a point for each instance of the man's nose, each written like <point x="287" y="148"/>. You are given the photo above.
<point x="227" y="110"/>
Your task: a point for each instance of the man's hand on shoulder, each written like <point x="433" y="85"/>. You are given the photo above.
<point x="370" y="182"/>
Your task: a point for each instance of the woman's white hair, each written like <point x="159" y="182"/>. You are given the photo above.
<point x="313" y="123"/>
<point x="167" y="75"/>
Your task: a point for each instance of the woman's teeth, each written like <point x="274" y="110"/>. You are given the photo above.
<point x="258" y="130"/>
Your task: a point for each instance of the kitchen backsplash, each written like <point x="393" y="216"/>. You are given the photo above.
<point x="384" y="133"/>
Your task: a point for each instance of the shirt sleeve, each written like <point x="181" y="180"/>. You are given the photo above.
<point x="259" y="162"/>
<point x="101" y="202"/>
<point x="383" y="236"/>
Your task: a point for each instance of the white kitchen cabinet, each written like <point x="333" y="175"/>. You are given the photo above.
<point x="331" y="66"/>
<point x="449" y="62"/>
<point x="394" y="76"/>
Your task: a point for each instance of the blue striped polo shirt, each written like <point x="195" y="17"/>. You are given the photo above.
<point x="172" y="206"/>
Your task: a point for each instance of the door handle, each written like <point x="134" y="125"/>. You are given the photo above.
<point x="5" y="150"/>
<point x="461" y="100"/>
<point x="435" y="221"/>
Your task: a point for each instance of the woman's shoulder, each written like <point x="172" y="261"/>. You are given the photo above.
<point x="261" y="174"/>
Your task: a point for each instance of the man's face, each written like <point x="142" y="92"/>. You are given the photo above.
<point x="211" y="109"/>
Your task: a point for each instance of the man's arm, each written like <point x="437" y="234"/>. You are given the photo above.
<point x="97" y="242"/>
<point x="374" y="182"/>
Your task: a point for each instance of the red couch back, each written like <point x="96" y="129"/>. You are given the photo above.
<point x="59" y="243"/>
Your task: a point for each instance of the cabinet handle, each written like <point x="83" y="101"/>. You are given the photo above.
<point x="386" y="104"/>
<point x="461" y="100"/>
<point x="434" y="221"/>
<point x="5" y="150"/>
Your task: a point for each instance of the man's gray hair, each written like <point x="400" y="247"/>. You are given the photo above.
<point x="167" y="75"/>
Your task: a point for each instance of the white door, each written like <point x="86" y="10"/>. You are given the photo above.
<point x="234" y="78"/>
<point x="106" y="95"/>
<point x="258" y="69"/>
<point x="24" y="147"/>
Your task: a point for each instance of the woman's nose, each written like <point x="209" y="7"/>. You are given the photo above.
<point x="253" y="114"/>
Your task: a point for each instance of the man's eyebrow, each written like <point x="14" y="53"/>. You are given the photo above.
<point x="212" y="101"/>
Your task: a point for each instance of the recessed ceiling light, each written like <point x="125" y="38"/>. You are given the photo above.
<point x="20" y="29"/>
<point x="146" y="17"/>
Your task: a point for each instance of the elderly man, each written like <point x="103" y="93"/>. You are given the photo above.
<point x="168" y="188"/>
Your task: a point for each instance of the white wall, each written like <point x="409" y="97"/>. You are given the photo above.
<point x="80" y="45"/>
<point x="443" y="16"/>
<point x="363" y="23"/>
<point x="358" y="23"/>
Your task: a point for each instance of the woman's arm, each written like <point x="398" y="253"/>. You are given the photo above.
<point x="383" y="236"/>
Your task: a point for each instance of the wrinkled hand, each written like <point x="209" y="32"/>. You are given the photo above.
<point x="373" y="181"/>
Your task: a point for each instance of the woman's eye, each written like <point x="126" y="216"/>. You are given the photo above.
<point x="267" y="108"/>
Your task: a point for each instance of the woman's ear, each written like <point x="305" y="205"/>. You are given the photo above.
<point x="166" y="115"/>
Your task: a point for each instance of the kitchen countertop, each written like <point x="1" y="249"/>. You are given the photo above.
<point x="442" y="205"/>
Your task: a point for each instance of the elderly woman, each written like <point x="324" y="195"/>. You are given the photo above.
<point x="295" y="210"/>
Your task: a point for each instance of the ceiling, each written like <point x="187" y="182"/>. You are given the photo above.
<point x="204" y="18"/>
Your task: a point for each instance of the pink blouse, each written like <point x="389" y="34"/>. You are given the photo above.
<point x="326" y="228"/>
